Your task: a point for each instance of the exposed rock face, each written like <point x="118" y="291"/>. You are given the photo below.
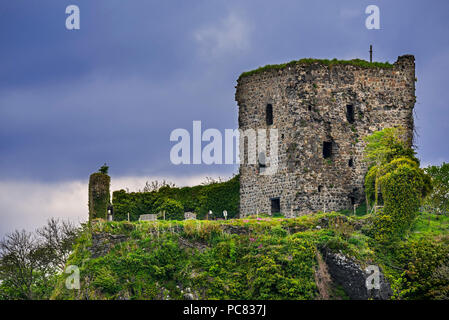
<point x="322" y="113"/>
<point x="102" y="243"/>
<point x="348" y="273"/>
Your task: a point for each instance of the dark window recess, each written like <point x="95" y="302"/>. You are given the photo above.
<point x="310" y="108"/>
<point x="352" y="198"/>
<point x="320" y="188"/>
<point x="262" y="160"/>
<point x="327" y="149"/>
<point x="269" y="114"/>
<point x="275" y="205"/>
<point x="351" y="162"/>
<point x="350" y="113"/>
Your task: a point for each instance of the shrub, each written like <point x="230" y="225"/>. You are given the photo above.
<point x="438" y="201"/>
<point x="426" y="274"/>
<point x="402" y="194"/>
<point x="220" y="196"/>
<point x="200" y="199"/>
<point x="173" y="209"/>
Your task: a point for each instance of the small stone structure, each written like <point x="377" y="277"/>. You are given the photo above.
<point x="148" y="217"/>
<point x="99" y="195"/>
<point x="189" y="216"/>
<point x="322" y="112"/>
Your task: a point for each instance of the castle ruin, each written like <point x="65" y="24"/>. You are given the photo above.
<point x="322" y="109"/>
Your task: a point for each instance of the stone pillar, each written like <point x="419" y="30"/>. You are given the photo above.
<point x="99" y="195"/>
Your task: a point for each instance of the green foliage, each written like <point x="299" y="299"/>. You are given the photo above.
<point x="425" y="272"/>
<point x="378" y="171"/>
<point x="308" y="61"/>
<point x="104" y="169"/>
<point x="438" y="200"/>
<point x="385" y="145"/>
<point x="219" y="197"/>
<point x="173" y="209"/>
<point x="402" y="193"/>
<point x="99" y="195"/>
<point x="200" y="199"/>
<point x="395" y="172"/>
<point x="256" y="258"/>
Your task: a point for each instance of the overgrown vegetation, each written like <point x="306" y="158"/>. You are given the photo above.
<point x="99" y="194"/>
<point x="31" y="262"/>
<point x="215" y="196"/>
<point x="395" y="174"/>
<point x="253" y="258"/>
<point x="438" y="200"/>
<point x="354" y="62"/>
<point x="257" y="257"/>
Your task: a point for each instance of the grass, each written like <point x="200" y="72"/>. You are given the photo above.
<point x="308" y="61"/>
<point x="256" y="257"/>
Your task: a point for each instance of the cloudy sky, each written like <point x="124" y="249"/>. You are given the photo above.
<point x="113" y="91"/>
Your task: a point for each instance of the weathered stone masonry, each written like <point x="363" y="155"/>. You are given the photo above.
<point x="322" y="113"/>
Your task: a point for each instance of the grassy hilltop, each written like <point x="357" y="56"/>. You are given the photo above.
<point x="254" y="258"/>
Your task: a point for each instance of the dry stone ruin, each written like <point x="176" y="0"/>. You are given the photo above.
<point x="322" y="110"/>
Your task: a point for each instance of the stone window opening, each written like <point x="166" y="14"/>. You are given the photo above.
<point x="275" y="205"/>
<point x="352" y="198"/>
<point x="310" y="108"/>
<point x="320" y="188"/>
<point x="351" y="162"/>
<point x="262" y="160"/>
<point x="327" y="149"/>
<point x="269" y="114"/>
<point x="350" y="113"/>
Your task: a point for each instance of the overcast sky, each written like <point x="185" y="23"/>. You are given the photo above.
<point x="115" y="89"/>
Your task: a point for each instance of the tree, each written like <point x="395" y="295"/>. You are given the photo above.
<point x="19" y="259"/>
<point x="104" y="169"/>
<point x="57" y="240"/>
<point x="438" y="200"/>
<point x="155" y="185"/>
<point x="173" y="209"/>
<point x="381" y="148"/>
<point x="29" y="262"/>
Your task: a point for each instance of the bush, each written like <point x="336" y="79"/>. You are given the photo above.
<point x="200" y="199"/>
<point x="402" y="194"/>
<point x="173" y="209"/>
<point x="426" y="273"/>
<point x="219" y="197"/>
<point x="438" y="201"/>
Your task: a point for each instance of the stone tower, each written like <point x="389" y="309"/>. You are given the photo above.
<point x="99" y="195"/>
<point x="322" y="110"/>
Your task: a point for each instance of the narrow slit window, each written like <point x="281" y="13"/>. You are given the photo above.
<point x="269" y="113"/>
<point x="352" y="199"/>
<point x="320" y="188"/>
<point x="350" y="113"/>
<point x="351" y="162"/>
<point x="275" y="205"/>
<point x="262" y="160"/>
<point x="327" y="149"/>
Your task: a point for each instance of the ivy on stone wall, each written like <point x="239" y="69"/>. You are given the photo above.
<point x="99" y="195"/>
<point x="217" y="196"/>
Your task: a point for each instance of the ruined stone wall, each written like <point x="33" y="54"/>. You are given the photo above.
<point x="309" y="103"/>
